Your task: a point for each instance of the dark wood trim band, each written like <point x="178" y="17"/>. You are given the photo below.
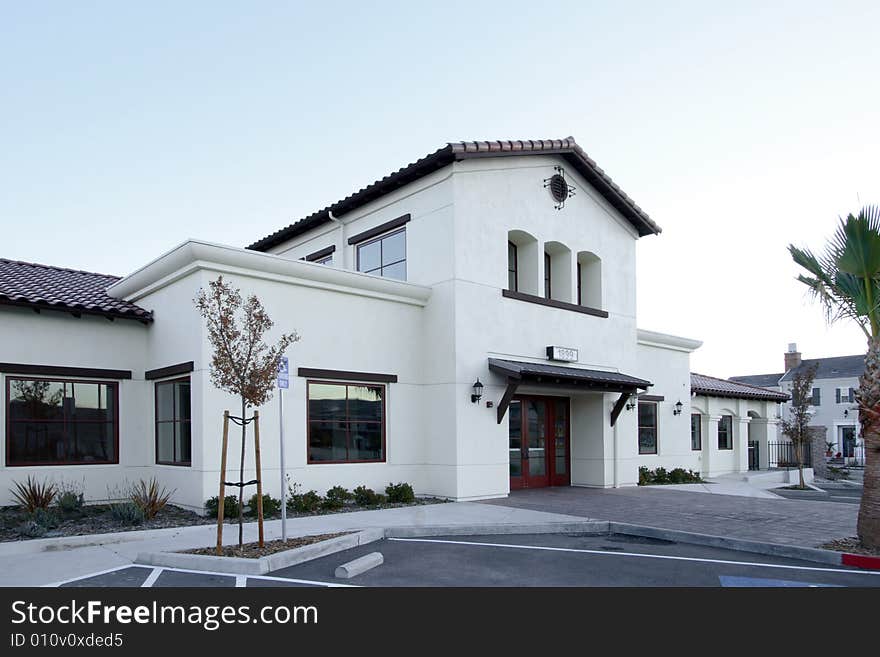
<point x="171" y="370"/>
<point x="378" y="230"/>
<point x="652" y="398"/>
<point x="553" y="303"/>
<point x="342" y="375"/>
<point x="323" y="253"/>
<point x="52" y="370"/>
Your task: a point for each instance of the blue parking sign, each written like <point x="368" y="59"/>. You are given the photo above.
<point x="283" y="373"/>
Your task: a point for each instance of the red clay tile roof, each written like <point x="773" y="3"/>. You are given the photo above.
<point x="712" y="387"/>
<point x="79" y="292"/>
<point x="566" y="148"/>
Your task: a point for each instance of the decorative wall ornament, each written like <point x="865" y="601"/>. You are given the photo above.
<point x="560" y="190"/>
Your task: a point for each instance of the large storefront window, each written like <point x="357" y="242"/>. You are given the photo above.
<point x="58" y="422"/>
<point x="647" y="428"/>
<point x="346" y="422"/>
<point x="173" y="422"/>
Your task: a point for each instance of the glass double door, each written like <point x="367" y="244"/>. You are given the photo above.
<point x="539" y="442"/>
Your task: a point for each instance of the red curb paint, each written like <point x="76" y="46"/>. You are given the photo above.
<point x="860" y="561"/>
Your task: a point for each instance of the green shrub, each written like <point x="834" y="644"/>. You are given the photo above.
<point x="364" y="496"/>
<point x="33" y="495"/>
<point x="336" y="497"/>
<point x="70" y="502"/>
<point x="661" y="476"/>
<point x="400" y="493"/>
<point x="307" y="502"/>
<point x="32" y="529"/>
<point x="45" y="517"/>
<point x="230" y="507"/>
<point x="127" y="513"/>
<point x="271" y="505"/>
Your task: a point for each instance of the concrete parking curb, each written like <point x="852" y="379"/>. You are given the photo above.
<point x="597" y="527"/>
<point x="818" y="555"/>
<point x="263" y="565"/>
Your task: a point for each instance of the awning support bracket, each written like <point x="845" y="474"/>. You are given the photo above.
<point x="618" y="406"/>
<point x="512" y="385"/>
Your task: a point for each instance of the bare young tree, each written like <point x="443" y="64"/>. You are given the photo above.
<point x="241" y="363"/>
<point x="797" y="426"/>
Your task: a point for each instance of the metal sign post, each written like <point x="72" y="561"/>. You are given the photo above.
<point x="283" y="382"/>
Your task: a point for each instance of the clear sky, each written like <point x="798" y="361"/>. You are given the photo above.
<point x="739" y="127"/>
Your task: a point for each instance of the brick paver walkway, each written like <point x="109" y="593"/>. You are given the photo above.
<point x="791" y="522"/>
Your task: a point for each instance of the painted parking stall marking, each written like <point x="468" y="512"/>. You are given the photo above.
<point x="667" y="557"/>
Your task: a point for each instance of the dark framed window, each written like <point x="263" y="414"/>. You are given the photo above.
<point x="845" y="395"/>
<point x="647" y="428"/>
<point x="326" y="260"/>
<point x="61" y="422"/>
<point x="346" y="422"/>
<point x="173" y="422"/>
<point x="696" y="432"/>
<point x="725" y="432"/>
<point x="384" y="256"/>
<point x="548" y="282"/>
<point x="512" y="267"/>
<point x="817" y="397"/>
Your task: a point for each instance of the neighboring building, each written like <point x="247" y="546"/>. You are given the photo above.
<point x="733" y="424"/>
<point x="834" y="406"/>
<point x="512" y="263"/>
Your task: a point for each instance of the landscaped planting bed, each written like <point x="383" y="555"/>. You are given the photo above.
<point x="254" y="551"/>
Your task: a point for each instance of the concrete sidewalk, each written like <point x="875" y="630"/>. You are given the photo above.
<point x="782" y="521"/>
<point x="45" y="561"/>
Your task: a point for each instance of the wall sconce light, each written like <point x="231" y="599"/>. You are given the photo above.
<point x="631" y="402"/>
<point x="678" y="407"/>
<point x="478" y="392"/>
<point x="845" y="412"/>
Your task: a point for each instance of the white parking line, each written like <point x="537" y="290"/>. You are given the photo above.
<point x="637" y="554"/>
<point x="240" y="580"/>
<point x="90" y="575"/>
<point x="151" y="578"/>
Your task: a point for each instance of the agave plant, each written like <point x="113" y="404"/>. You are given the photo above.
<point x="33" y="495"/>
<point x="846" y="281"/>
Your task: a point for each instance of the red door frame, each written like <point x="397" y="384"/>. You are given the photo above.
<point x="551" y="477"/>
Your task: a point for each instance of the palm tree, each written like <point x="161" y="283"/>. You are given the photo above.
<point x="846" y="281"/>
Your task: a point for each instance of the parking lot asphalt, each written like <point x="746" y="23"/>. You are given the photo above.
<point x="549" y="560"/>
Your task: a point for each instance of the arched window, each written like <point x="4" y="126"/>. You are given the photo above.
<point x="557" y="272"/>
<point x="522" y="262"/>
<point x="589" y="280"/>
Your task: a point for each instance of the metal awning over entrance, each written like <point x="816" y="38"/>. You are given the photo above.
<point x="518" y="373"/>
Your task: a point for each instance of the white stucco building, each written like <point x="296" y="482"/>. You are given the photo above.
<point x="512" y="263"/>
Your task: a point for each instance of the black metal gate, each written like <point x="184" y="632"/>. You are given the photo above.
<point x="754" y="457"/>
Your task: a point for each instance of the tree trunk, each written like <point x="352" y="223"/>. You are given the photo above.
<point x="869" y="418"/>
<point x="799" y="455"/>
<point x="241" y="477"/>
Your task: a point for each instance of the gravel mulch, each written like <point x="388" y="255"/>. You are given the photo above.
<point x="94" y="519"/>
<point x="253" y="551"/>
<point x="97" y="519"/>
<point x="852" y="545"/>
